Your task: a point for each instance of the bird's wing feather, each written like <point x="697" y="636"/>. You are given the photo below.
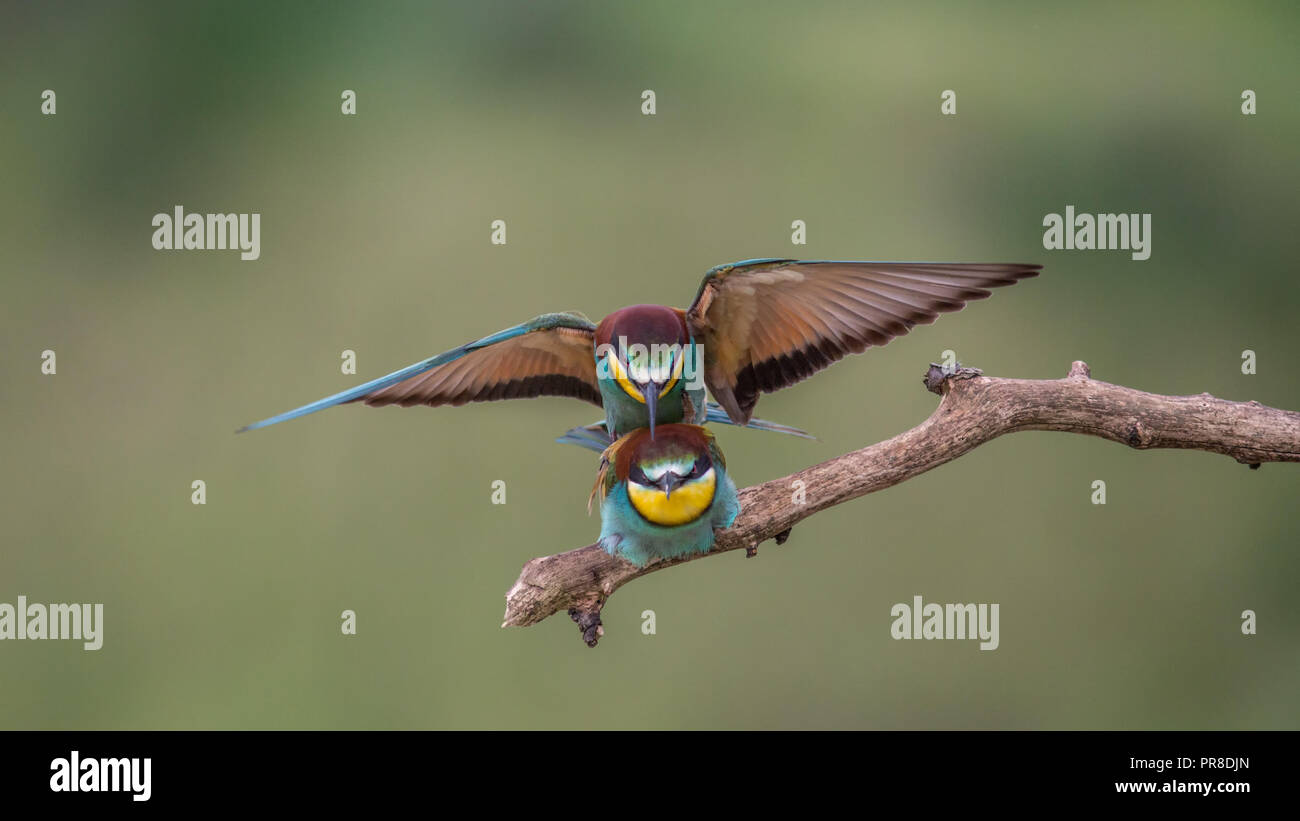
<point x="551" y="355"/>
<point x="592" y="437"/>
<point x="715" y="452"/>
<point x="606" y="475"/>
<point x="769" y="323"/>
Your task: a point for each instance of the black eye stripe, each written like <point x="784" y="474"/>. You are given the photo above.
<point x="701" y="467"/>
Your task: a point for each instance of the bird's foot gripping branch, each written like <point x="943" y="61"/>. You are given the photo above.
<point x="974" y="409"/>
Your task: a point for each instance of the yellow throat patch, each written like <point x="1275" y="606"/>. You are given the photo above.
<point x="686" y="504"/>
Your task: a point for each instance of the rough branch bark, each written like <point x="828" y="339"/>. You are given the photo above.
<point x="974" y="409"/>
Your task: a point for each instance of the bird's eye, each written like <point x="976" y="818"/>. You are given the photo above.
<point x="701" y="467"/>
<point x="636" y="474"/>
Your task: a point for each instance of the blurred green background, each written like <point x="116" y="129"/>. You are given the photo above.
<point x="375" y="238"/>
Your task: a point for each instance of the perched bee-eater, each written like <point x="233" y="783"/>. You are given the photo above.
<point x="662" y="497"/>
<point x="761" y="325"/>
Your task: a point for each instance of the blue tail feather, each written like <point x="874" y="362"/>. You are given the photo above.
<point x="596" y="437"/>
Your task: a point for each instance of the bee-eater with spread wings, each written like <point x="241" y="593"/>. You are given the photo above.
<point x="761" y="324"/>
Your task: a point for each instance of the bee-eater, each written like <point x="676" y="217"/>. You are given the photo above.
<point x="662" y="497"/>
<point x="762" y="324"/>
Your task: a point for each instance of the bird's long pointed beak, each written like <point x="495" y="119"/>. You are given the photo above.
<point x="666" y="484"/>
<point x="651" y="391"/>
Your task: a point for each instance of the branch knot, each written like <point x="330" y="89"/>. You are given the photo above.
<point x="938" y="376"/>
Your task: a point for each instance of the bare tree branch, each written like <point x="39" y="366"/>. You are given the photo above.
<point x="975" y="409"/>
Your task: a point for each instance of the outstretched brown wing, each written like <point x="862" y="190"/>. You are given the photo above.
<point x="766" y="324"/>
<point x="551" y="355"/>
<point x="548" y="362"/>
